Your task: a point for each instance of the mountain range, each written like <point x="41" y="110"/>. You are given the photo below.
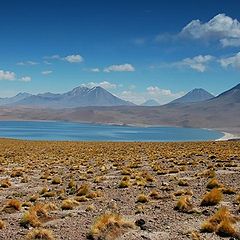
<point x="78" y="97"/>
<point x="221" y="112"/>
<point x="85" y="97"/>
<point x="196" y="95"/>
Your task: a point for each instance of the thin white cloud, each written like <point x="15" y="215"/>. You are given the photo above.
<point x="222" y="28"/>
<point x="120" y="68"/>
<point x="198" y="63"/>
<point x="7" y="75"/>
<point x="105" y="84"/>
<point x="53" y="57"/>
<point x="25" y="79"/>
<point x="47" y="72"/>
<point x="27" y="63"/>
<point x="230" y="42"/>
<point x="74" y="58"/>
<point x="94" y="70"/>
<point x="162" y="96"/>
<point x="233" y="61"/>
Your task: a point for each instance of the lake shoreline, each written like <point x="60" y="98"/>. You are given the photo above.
<point x="111" y="132"/>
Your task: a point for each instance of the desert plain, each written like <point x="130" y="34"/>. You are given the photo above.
<point x="114" y="190"/>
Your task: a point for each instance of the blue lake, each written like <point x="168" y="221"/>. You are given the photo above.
<point x="70" y="131"/>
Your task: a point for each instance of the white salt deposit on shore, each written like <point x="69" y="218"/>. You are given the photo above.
<point x="228" y="136"/>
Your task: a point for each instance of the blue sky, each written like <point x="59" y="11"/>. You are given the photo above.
<point x="135" y="49"/>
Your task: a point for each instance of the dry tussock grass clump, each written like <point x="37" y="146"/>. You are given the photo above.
<point x="17" y="172"/>
<point x="184" y="205"/>
<point x="183" y="182"/>
<point x="125" y="183"/>
<point x="69" y="204"/>
<point x="221" y="223"/>
<point x="83" y="190"/>
<point x="43" y="234"/>
<point x="2" y="224"/>
<point x="154" y="194"/>
<point x="35" y="216"/>
<point x="212" y="198"/>
<point x="183" y="192"/>
<point x="56" y="180"/>
<point x="213" y="183"/>
<point x="5" y="183"/>
<point x="12" y="206"/>
<point x="142" y="198"/>
<point x="109" y="226"/>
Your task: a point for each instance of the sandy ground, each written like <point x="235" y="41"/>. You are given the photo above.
<point x="169" y="169"/>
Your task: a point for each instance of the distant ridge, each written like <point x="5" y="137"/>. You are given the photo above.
<point x="78" y="97"/>
<point x="196" y="95"/>
<point x="150" y="103"/>
<point x="10" y="100"/>
<point x="221" y="112"/>
<point x="230" y="96"/>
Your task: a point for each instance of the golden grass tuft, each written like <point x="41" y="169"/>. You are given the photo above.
<point x="5" y="183"/>
<point x="56" y="180"/>
<point x="226" y="229"/>
<point x="69" y="204"/>
<point x="2" y="224"/>
<point x="124" y="184"/>
<point x="154" y="194"/>
<point x="184" y="204"/>
<point x="212" y="198"/>
<point x="83" y="190"/>
<point x="213" y="183"/>
<point x="183" y="182"/>
<point x="221" y="223"/>
<point x="43" y="234"/>
<point x="12" y="206"/>
<point x="34" y="216"/>
<point x="109" y="226"/>
<point x="142" y="198"/>
<point x="30" y="218"/>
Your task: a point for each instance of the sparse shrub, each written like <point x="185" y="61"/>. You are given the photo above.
<point x="43" y="234"/>
<point x="212" y="198"/>
<point x="124" y="184"/>
<point x="69" y="204"/>
<point x="109" y="226"/>
<point x="49" y="194"/>
<point x="226" y="229"/>
<point x="154" y="194"/>
<point x="83" y="190"/>
<point x="34" y="198"/>
<point x="221" y="223"/>
<point x="34" y="216"/>
<point x="183" y="182"/>
<point x="184" y="205"/>
<point x="56" y="180"/>
<point x="30" y="218"/>
<point x="5" y="183"/>
<point x="12" y="206"/>
<point x="142" y="198"/>
<point x="90" y="208"/>
<point x="72" y="184"/>
<point x="81" y="199"/>
<point x="213" y="183"/>
<point x="44" y="190"/>
<point x="2" y="224"/>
